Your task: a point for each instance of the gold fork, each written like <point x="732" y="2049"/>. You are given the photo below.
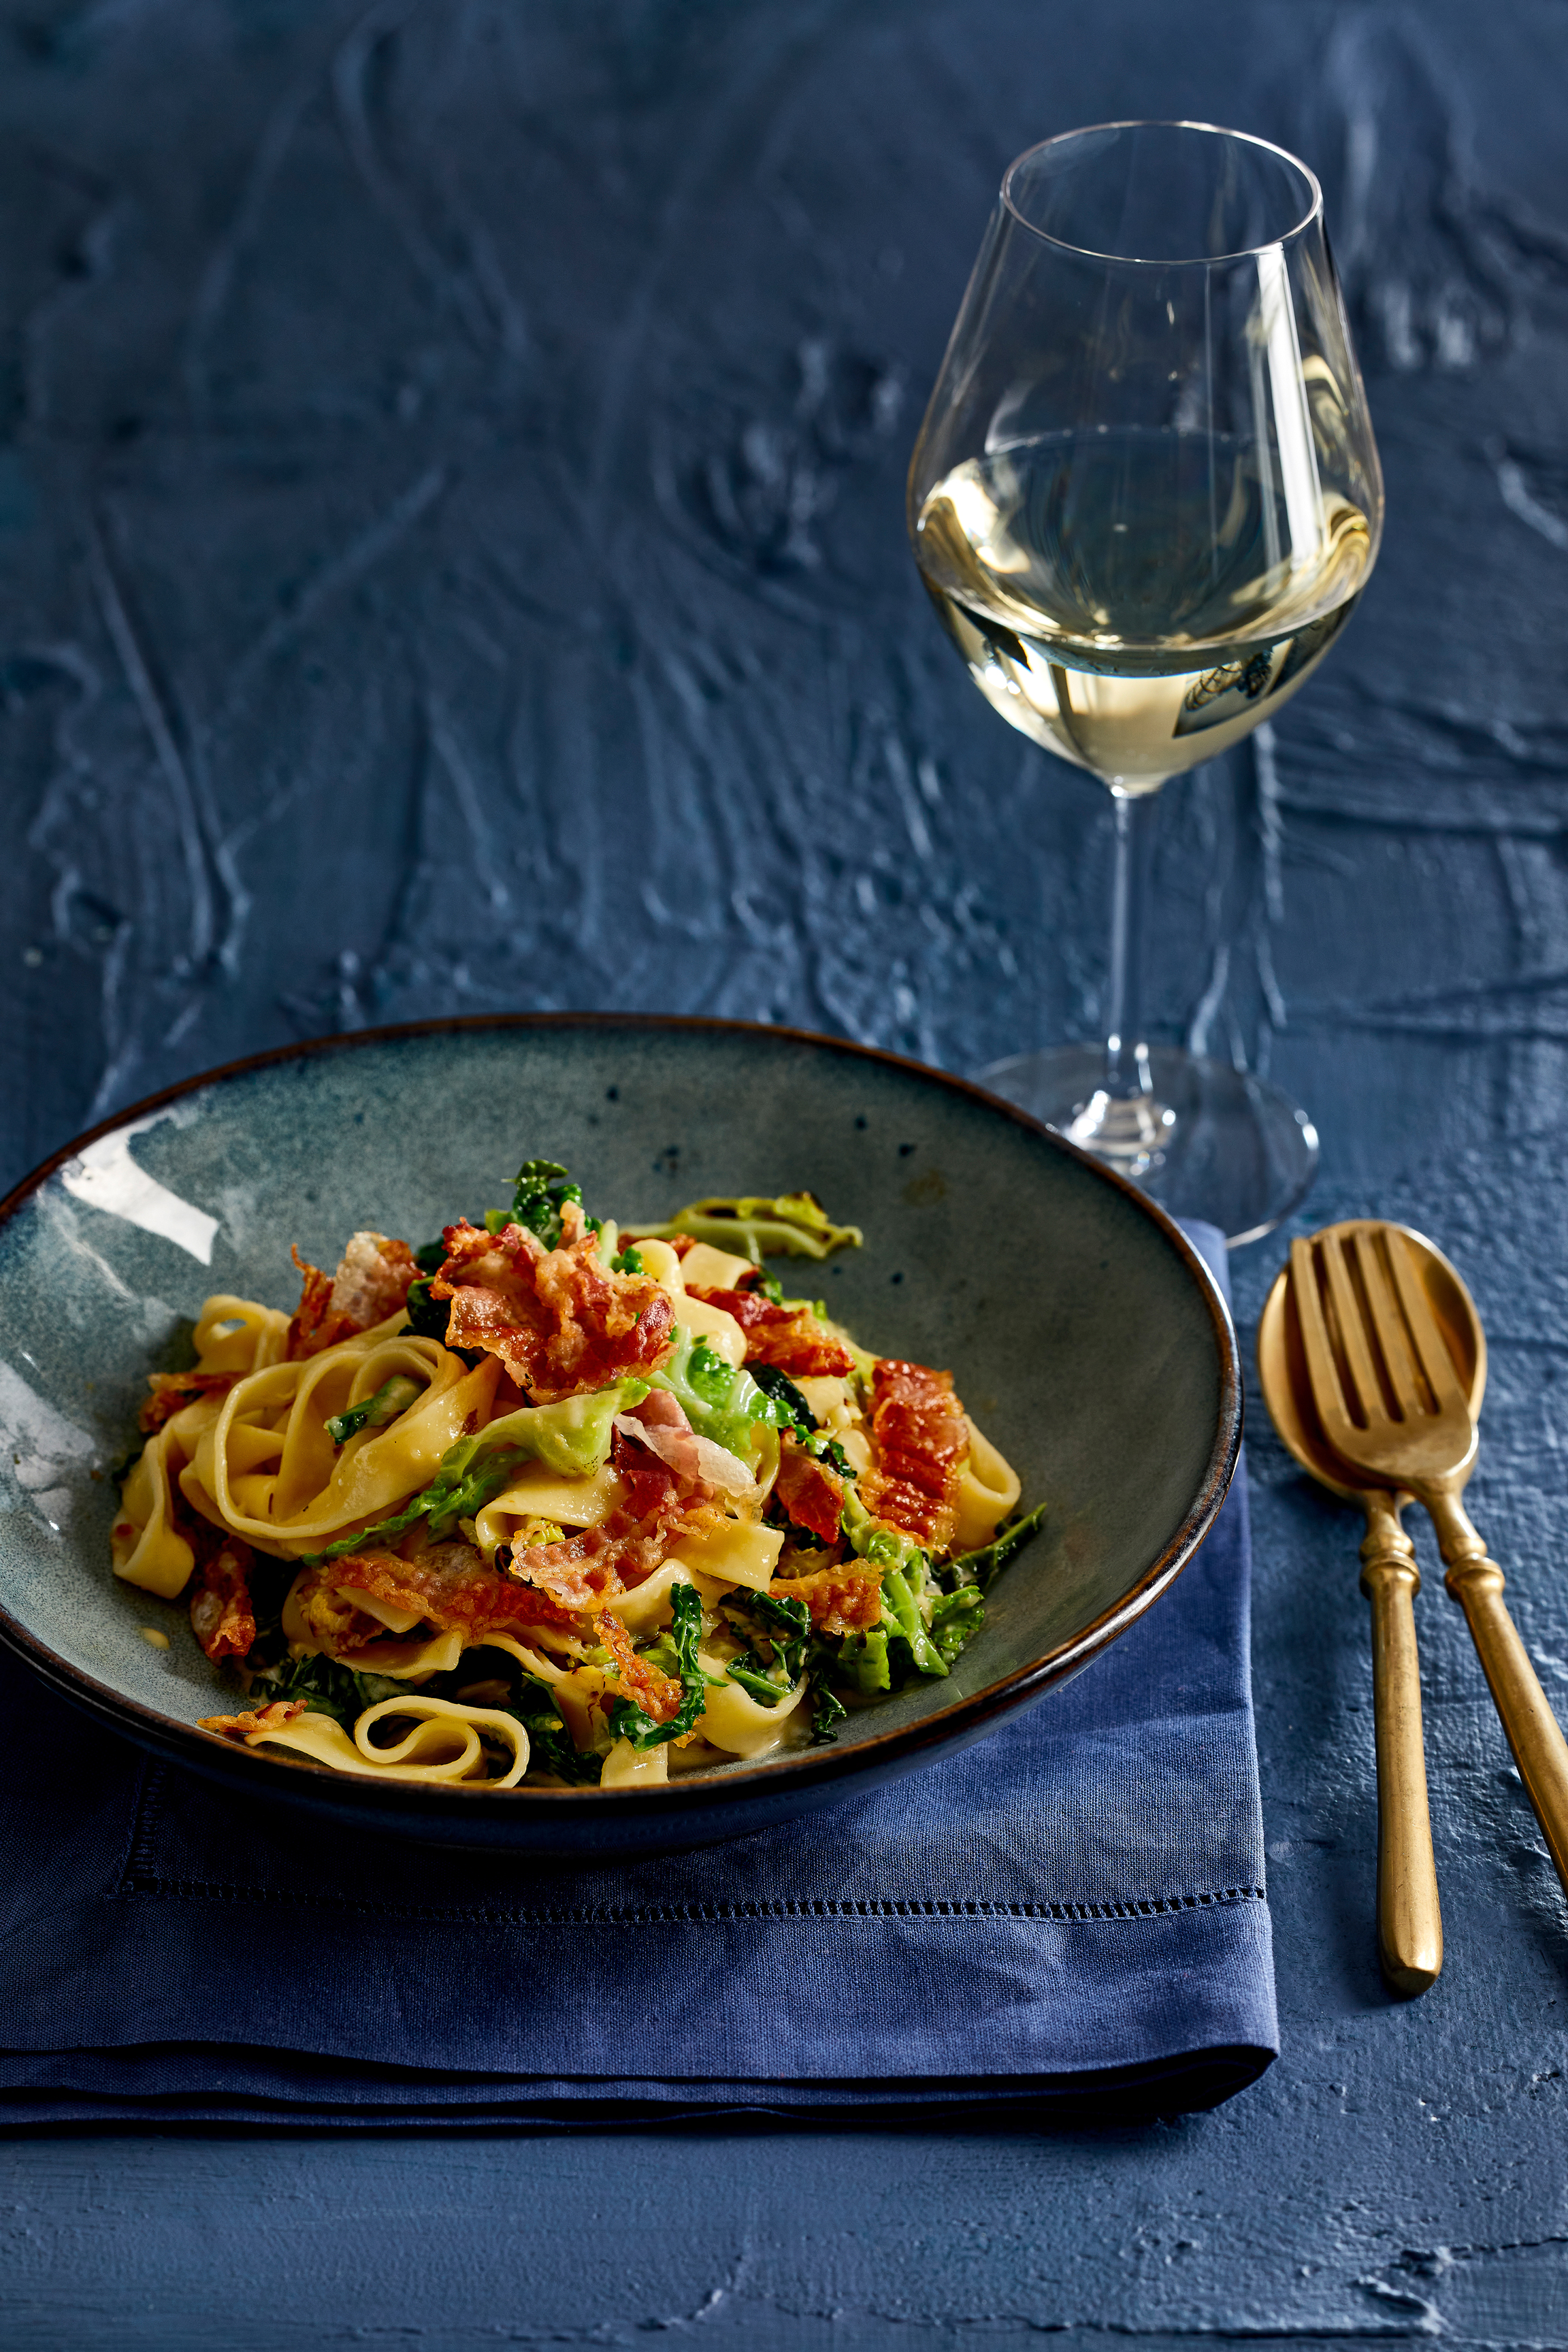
<point x="1391" y="1406"/>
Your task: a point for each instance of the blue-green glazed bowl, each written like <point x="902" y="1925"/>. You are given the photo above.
<point x="1083" y="1329"/>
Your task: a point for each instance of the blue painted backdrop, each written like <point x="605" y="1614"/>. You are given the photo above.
<point x="451" y="557"/>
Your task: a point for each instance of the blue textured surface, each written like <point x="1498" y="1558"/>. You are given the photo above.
<point x="450" y="484"/>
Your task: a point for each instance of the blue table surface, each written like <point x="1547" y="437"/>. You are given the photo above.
<point x="452" y="558"/>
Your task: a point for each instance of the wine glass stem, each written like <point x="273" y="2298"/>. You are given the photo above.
<point x="1126" y="1047"/>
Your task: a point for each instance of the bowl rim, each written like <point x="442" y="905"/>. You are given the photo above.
<point x="800" y="1771"/>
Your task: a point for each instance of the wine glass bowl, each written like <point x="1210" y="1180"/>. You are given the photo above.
<point x="1144" y="501"/>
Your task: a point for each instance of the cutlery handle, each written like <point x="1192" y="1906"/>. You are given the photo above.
<point x="1409" y="1922"/>
<point x="1538" y="1747"/>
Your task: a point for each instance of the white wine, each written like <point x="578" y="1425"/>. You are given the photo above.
<point x="1137" y="601"/>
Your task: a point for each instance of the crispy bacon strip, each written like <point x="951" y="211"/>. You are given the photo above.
<point x="448" y="1585"/>
<point x="811" y="1493"/>
<point x="703" y="1468"/>
<point x="844" y="1599"/>
<point x="788" y="1336"/>
<point x="315" y="1325"/>
<point x="584" y="1571"/>
<point x="266" y="1718"/>
<point x="653" y="1490"/>
<point x="670" y="1436"/>
<point x="658" y="1693"/>
<point x="921" y="1440"/>
<point x="172" y="1391"/>
<point x="580" y="1573"/>
<point x="372" y="1278"/>
<point x="558" y="1320"/>
<point x="222" y="1618"/>
<point x="334" y="1622"/>
<point x="370" y="1283"/>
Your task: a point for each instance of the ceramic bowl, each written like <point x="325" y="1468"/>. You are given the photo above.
<point x="1083" y="1331"/>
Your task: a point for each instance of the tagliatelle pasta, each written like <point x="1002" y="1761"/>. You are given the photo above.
<point x="546" y="1501"/>
<point x="436" y="1739"/>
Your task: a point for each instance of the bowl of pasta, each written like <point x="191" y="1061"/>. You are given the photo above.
<point x="579" y="1433"/>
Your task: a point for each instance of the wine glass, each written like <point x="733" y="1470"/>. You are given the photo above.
<point x="1144" y="499"/>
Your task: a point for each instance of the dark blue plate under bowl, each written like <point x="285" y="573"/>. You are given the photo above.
<point x="1083" y="1331"/>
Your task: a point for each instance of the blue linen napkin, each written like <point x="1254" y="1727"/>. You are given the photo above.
<point x="1066" y="1920"/>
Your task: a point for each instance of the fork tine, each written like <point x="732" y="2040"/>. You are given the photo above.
<point x="1430" y="1345"/>
<point x="1384" y="1313"/>
<point x="1352" y="1331"/>
<point x="1323" y="1372"/>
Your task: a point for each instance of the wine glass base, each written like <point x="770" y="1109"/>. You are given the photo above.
<point x="1206" y="1141"/>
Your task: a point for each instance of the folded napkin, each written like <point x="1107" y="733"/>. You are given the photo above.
<point x="1066" y="1920"/>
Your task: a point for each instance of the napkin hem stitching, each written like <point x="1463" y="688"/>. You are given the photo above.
<point x="692" y="1914"/>
<point x="140" y="1877"/>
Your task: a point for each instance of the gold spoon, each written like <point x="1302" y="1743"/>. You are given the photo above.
<point x="1390" y="1404"/>
<point x="1409" y="1923"/>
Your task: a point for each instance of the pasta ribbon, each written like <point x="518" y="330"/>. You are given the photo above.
<point x="268" y="1470"/>
<point x="743" y="1725"/>
<point x="648" y="1605"/>
<point x="707" y="1268"/>
<point x="238" y="1335"/>
<point x="442" y="1743"/>
<point x="438" y="1653"/>
<point x="626" y="1766"/>
<point x="712" y="1325"/>
<point x="540" y="1492"/>
<point x="535" y="1661"/>
<point x="145" y="1546"/>
<point x="733" y="1552"/>
<point x="580" y="1696"/>
<point x="988" y="1488"/>
<point x="232" y="1336"/>
<point x="661" y="1262"/>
